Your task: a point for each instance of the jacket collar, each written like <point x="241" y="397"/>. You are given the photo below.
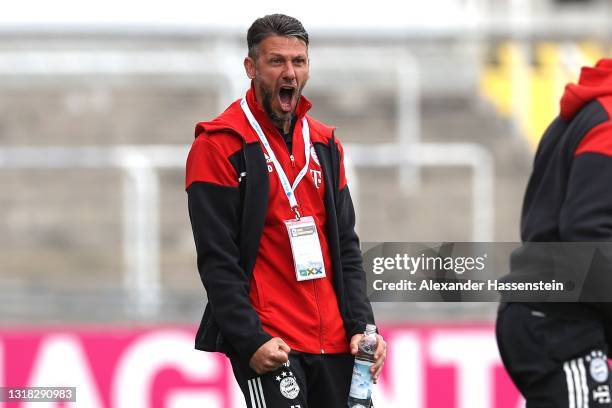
<point x="594" y="82"/>
<point x="233" y="120"/>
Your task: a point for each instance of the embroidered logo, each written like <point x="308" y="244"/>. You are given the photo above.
<point x="598" y="366"/>
<point x="316" y="177"/>
<point x="288" y="386"/>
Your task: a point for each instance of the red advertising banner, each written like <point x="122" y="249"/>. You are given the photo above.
<point x="429" y="366"/>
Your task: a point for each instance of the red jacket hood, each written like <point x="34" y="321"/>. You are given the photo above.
<point x="594" y="82"/>
<point x="233" y="120"/>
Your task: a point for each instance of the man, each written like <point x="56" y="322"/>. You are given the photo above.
<point x="273" y="224"/>
<point x="556" y="353"/>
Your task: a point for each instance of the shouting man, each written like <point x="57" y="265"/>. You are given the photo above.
<point x="273" y="223"/>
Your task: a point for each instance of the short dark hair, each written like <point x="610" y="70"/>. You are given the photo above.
<point x="274" y="24"/>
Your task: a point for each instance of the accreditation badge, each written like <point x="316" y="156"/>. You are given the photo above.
<point x="306" y="249"/>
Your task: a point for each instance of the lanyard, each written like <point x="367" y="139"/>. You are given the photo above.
<point x="287" y="187"/>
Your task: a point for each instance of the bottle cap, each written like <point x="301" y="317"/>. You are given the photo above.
<point x="370" y="329"/>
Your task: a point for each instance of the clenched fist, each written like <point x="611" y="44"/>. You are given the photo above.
<point x="271" y="355"/>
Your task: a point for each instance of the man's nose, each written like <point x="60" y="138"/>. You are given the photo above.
<point x="289" y="72"/>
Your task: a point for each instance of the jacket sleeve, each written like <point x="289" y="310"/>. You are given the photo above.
<point x="214" y="211"/>
<point x="359" y="307"/>
<point x="586" y="215"/>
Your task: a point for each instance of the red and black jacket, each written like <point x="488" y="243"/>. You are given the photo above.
<point x="228" y="219"/>
<point x="569" y="194"/>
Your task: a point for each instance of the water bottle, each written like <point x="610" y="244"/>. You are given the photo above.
<point x="360" y="395"/>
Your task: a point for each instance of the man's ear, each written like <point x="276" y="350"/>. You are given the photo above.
<point x="249" y="67"/>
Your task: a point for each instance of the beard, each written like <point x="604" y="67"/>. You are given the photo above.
<point x="278" y="120"/>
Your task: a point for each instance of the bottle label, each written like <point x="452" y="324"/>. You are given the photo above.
<point x="361" y="383"/>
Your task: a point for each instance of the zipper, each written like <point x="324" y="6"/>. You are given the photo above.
<point x="314" y="288"/>
<point x="287" y="147"/>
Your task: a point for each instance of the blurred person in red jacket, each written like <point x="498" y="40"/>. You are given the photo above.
<point x="557" y="352"/>
<point x="273" y="223"/>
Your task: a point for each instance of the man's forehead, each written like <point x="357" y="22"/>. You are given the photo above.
<point x="276" y="44"/>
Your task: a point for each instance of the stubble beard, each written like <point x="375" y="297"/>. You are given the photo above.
<point x="278" y="120"/>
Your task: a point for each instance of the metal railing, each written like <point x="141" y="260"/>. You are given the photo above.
<point x="141" y="240"/>
<point x="140" y="215"/>
<point x="471" y="155"/>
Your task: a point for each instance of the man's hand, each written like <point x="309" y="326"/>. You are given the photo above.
<point x="379" y="355"/>
<point x="271" y="355"/>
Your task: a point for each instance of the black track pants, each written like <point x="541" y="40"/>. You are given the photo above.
<point x="306" y="381"/>
<point x="554" y="361"/>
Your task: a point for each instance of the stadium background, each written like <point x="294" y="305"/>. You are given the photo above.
<point x="440" y="105"/>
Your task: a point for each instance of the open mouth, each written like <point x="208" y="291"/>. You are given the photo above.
<point x="285" y="97"/>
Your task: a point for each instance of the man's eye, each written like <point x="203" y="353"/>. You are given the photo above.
<point x="275" y="61"/>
